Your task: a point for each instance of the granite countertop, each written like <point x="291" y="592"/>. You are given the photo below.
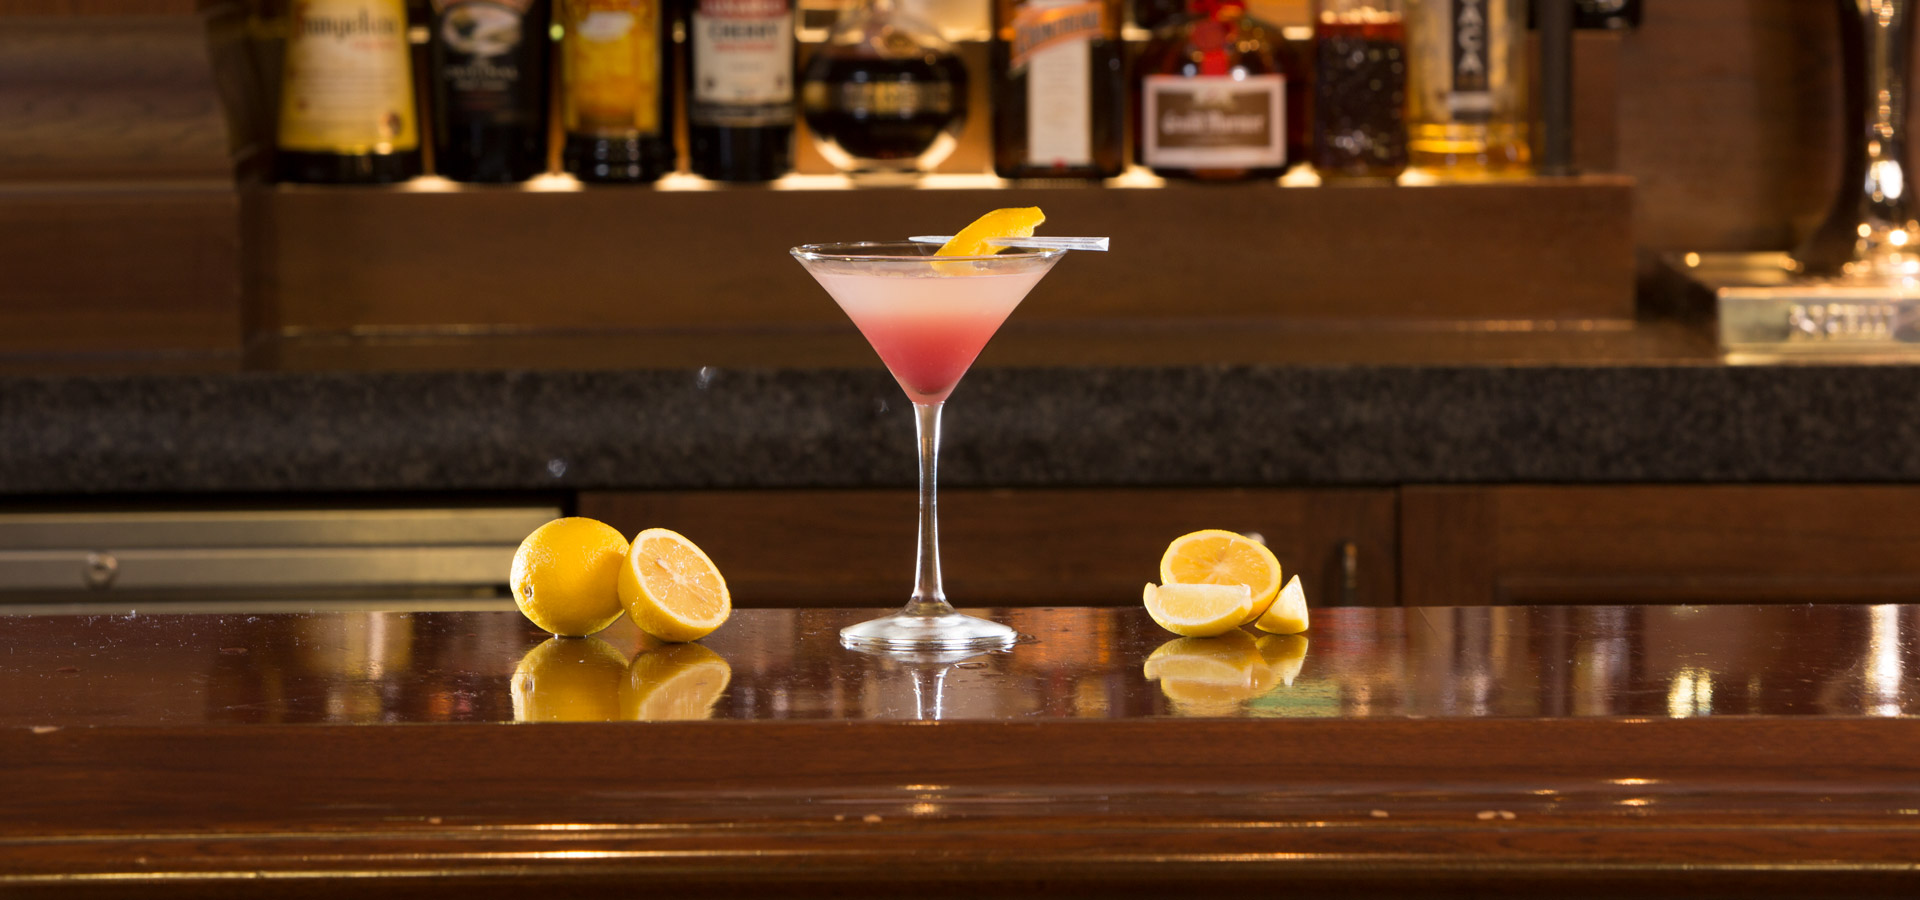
<point x="1009" y="425"/>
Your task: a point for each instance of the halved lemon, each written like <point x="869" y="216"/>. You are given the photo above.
<point x="674" y="682"/>
<point x="972" y="240"/>
<point x="563" y="576"/>
<point x="671" y="588"/>
<point x="1197" y="610"/>
<point x="1288" y="613"/>
<point x="1215" y="556"/>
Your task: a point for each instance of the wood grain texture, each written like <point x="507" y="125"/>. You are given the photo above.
<point x="120" y="98"/>
<point x="116" y="269"/>
<point x="506" y="259"/>
<point x="1700" y="544"/>
<point x="1515" y="751"/>
<point x="1023" y="548"/>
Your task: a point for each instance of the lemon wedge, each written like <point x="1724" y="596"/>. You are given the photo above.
<point x="1197" y="610"/>
<point x="569" y="680"/>
<point x="972" y="240"/>
<point x="674" y="682"/>
<point x="1288" y="613"/>
<point x="671" y="588"/>
<point x="1224" y="557"/>
<point x="563" y="576"/>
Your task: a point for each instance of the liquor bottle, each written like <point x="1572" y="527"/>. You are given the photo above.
<point x="740" y="99"/>
<point x="489" y="65"/>
<point x="1467" y="109"/>
<point x="1060" y="89"/>
<point x="1213" y="89"/>
<point x="346" y="101"/>
<point x="616" y="98"/>
<point x="1606" y="14"/>
<point x="885" y="95"/>
<point x="1359" y="90"/>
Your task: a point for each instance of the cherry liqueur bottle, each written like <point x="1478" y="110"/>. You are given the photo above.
<point x="740" y="107"/>
<point x="1060" y="90"/>
<point x="489" y="73"/>
<point x="1214" y="91"/>
<point x="346" y="100"/>
<point x="616" y="98"/>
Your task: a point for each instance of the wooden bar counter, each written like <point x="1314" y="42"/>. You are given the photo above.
<point x="1721" y="751"/>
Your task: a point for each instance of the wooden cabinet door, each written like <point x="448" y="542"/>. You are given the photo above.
<point x="1082" y="547"/>
<point x="1659" y="544"/>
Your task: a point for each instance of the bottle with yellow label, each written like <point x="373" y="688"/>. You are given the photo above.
<point x="346" y="101"/>
<point x="616" y="98"/>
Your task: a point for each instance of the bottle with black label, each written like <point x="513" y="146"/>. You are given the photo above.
<point x="489" y="65"/>
<point x="1060" y="90"/>
<point x="346" y="94"/>
<point x="616" y="97"/>
<point x="740" y="107"/>
<point x="1467" y="106"/>
<point x="1214" y="104"/>
<point x="885" y="96"/>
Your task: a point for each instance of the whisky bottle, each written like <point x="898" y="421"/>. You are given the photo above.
<point x="616" y="99"/>
<point x="346" y="101"/>
<point x="1060" y="90"/>
<point x="1467" y="107"/>
<point x="1213" y="88"/>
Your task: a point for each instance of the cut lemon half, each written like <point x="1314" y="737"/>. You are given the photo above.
<point x="1197" y="610"/>
<point x="563" y="576"/>
<point x="1288" y="612"/>
<point x="672" y="590"/>
<point x="1001" y="223"/>
<point x="1223" y="557"/>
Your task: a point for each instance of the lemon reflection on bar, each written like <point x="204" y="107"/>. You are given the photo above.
<point x="588" y="680"/>
<point x="1213" y="676"/>
<point x="569" y="680"/>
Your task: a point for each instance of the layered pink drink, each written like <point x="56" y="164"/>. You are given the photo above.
<point x="928" y="327"/>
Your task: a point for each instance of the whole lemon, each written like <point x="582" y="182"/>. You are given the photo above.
<point x="565" y="576"/>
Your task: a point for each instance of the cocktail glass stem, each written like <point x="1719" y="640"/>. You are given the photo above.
<point x="929" y="596"/>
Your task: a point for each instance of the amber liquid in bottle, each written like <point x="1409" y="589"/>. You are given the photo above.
<point x="1467" y="110"/>
<point x="1060" y="90"/>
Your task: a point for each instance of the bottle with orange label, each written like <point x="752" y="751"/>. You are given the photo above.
<point x="1060" y="89"/>
<point x="616" y="98"/>
<point x="346" y="101"/>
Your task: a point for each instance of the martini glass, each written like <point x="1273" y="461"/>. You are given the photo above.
<point x="928" y="317"/>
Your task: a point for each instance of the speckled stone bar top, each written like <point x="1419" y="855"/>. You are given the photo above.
<point x="734" y="428"/>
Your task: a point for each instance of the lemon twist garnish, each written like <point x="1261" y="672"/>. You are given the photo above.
<point x="1017" y="222"/>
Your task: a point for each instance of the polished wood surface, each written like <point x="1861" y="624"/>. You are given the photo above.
<point x="1466" y="545"/>
<point x="1025" y="547"/>
<point x="1542" y="751"/>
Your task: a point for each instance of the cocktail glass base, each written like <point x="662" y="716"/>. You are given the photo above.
<point x="919" y="631"/>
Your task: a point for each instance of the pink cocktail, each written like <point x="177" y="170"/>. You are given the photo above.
<point x="928" y="317"/>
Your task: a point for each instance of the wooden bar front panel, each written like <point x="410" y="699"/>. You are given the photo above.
<point x="1659" y="544"/>
<point x="1011" y="547"/>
